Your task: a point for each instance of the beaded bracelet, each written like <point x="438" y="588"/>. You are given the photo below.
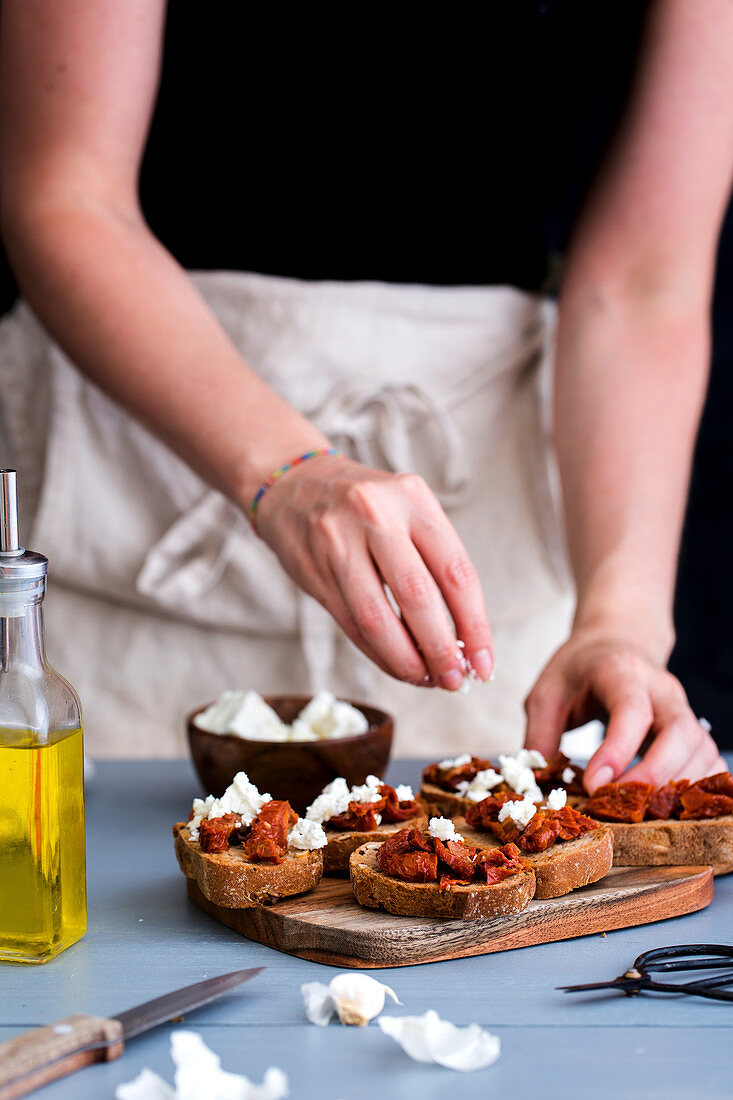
<point x="319" y="453"/>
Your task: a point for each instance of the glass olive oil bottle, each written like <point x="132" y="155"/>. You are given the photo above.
<point x="42" y="846"/>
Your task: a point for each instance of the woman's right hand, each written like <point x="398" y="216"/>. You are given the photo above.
<point x="342" y="531"/>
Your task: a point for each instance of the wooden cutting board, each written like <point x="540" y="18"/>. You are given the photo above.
<point x="329" y="927"/>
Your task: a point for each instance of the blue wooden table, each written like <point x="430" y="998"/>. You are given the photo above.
<point x="146" y="938"/>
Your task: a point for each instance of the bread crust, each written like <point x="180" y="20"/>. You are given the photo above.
<point x="443" y="803"/>
<point x="341" y="843"/>
<point x="674" y="843"/>
<point x="564" y="866"/>
<point x="234" y="882"/>
<point x="375" y="890"/>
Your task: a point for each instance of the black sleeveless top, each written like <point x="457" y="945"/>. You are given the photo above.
<point x="403" y="144"/>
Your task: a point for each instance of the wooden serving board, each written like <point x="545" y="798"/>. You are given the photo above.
<point x="328" y="926"/>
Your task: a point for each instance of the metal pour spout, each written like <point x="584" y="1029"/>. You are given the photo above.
<point x="9" y="539"/>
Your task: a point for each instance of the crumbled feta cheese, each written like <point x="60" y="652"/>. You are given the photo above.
<point x="404" y="793"/>
<point x="568" y="775"/>
<point x="301" y="731"/>
<point x="457" y="762"/>
<point x="330" y="717"/>
<point x="307" y="834"/>
<point x="519" y="777"/>
<point x="480" y="786"/>
<point x="557" y="798"/>
<point x="333" y="799"/>
<point x="707" y="726"/>
<point x="521" y="813"/>
<point x="241" y="797"/>
<point x="531" y="758"/>
<point x="442" y="828"/>
<point x="245" y="714"/>
<point x="367" y="792"/>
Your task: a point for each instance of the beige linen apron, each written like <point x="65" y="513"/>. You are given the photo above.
<point x="161" y="596"/>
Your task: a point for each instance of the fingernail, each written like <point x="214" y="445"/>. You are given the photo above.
<point x="452" y="680"/>
<point x="602" y="776"/>
<point x="482" y="663"/>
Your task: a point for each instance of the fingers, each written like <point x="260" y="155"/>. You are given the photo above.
<point x="619" y="686"/>
<point x="682" y="748"/>
<point x="376" y="623"/>
<point x="420" y="603"/>
<point x="547" y="707"/>
<point x="457" y="580"/>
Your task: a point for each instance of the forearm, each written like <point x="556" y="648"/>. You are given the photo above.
<point x="133" y="321"/>
<point x="630" y="382"/>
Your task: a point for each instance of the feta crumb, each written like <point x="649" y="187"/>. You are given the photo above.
<point x="480" y="786"/>
<point x="308" y="835"/>
<point x="241" y="797"/>
<point x="334" y="799"/>
<point x="442" y="828"/>
<point x="531" y="758"/>
<point x="457" y="762"/>
<point x="519" y="777"/>
<point x="557" y="798"/>
<point x="367" y="792"/>
<point x="521" y="813"/>
<point x="707" y="726"/>
<point x="245" y="714"/>
<point x="404" y="793"/>
<point x="568" y="775"/>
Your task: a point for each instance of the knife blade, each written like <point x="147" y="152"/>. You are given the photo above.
<point x="58" y="1049"/>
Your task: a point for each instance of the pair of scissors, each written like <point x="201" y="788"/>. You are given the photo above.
<point x="666" y="960"/>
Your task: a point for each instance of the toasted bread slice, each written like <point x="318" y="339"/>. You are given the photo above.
<point x="564" y="866"/>
<point x="376" y="890"/>
<point x="442" y="803"/>
<point x="674" y="843"/>
<point x="231" y="880"/>
<point x="341" y="843"/>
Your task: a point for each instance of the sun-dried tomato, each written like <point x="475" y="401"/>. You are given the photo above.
<point x="394" y="810"/>
<point x="216" y="832"/>
<point x="551" y="776"/>
<point x="720" y="783"/>
<point x="572" y="823"/>
<point x="360" y="817"/>
<point x="665" y="802"/>
<point x="495" y="864"/>
<point x="540" y="833"/>
<point x="410" y="866"/>
<point x="620" y="801"/>
<point x="482" y="815"/>
<point x="457" y="856"/>
<point x="267" y="840"/>
<point x="448" y="779"/>
<point x="699" y="803"/>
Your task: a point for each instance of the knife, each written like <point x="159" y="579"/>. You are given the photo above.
<point x="54" y="1051"/>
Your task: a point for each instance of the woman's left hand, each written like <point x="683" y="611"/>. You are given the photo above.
<point x="597" y="674"/>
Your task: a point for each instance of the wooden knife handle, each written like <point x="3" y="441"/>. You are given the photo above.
<point x="54" y="1051"/>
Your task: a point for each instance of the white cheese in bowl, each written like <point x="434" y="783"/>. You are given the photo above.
<point x="245" y="714"/>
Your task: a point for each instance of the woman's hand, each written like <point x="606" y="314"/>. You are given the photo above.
<point x="599" y="675"/>
<point x="342" y="531"/>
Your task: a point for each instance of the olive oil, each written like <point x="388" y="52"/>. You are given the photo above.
<point x="42" y="861"/>
<point x="42" y="844"/>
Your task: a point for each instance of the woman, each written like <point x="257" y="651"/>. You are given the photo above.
<point x="446" y="379"/>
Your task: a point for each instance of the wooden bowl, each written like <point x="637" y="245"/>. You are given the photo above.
<point x="293" y="770"/>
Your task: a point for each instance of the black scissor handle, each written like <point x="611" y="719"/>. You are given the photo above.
<point x="687" y="956"/>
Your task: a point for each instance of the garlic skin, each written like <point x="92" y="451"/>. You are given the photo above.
<point x="429" y="1039"/>
<point x="199" y="1074"/>
<point x="355" y="998"/>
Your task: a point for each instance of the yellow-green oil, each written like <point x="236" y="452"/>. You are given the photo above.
<point x="42" y="850"/>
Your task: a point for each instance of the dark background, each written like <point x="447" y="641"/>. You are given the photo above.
<point x="557" y="78"/>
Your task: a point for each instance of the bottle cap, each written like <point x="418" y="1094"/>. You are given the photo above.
<point x="16" y="563"/>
